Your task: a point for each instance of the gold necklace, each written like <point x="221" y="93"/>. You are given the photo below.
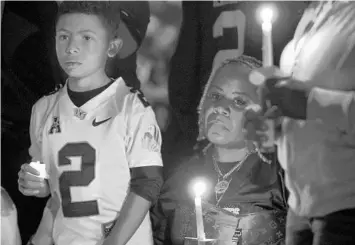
<point x="223" y="181"/>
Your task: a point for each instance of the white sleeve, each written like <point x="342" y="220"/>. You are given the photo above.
<point x="144" y="137"/>
<point x="334" y="107"/>
<point x="40" y="113"/>
<point x="35" y="150"/>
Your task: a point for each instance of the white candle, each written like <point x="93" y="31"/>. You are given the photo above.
<point x="268" y="59"/>
<point x="267" y="18"/>
<point x="41" y="168"/>
<point x="199" y="219"/>
<point x="199" y="189"/>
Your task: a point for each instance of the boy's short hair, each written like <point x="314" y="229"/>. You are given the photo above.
<point x="108" y="13"/>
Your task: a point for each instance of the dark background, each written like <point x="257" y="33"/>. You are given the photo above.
<point x="29" y="69"/>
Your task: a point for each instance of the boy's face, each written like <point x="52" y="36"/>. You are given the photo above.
<point x="82" y="43"/>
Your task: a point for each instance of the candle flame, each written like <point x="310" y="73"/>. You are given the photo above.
<point x="199" y="188"/>
<point x="266" y="15"/>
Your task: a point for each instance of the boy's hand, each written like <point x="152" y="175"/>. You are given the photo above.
<point x="30" y="184"/>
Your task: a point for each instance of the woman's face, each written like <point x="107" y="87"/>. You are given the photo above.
<point x="227" y="97"/>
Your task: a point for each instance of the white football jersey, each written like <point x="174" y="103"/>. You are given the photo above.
<point x="88" y="152"/>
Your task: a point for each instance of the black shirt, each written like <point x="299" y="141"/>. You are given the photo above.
<point x="256" y="192"/>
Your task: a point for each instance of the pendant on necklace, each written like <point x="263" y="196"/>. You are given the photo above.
<point x="221" y="186"/>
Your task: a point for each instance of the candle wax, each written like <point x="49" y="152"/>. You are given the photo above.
<point x="199" y="219"/>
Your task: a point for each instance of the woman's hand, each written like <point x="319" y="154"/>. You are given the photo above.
<point x="30" y="184"/>
<point x="288" y="95"/>
<point x="255" y="126"/>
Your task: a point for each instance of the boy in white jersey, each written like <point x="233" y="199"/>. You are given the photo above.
<point x="316" y="145"/>
<point x="98" y="138"/>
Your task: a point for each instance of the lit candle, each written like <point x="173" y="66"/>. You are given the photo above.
<point x="267" y="15"/>
<point x="268" y="61"/>
<point x="41" y="168"/>
<point x="199" y="189"/>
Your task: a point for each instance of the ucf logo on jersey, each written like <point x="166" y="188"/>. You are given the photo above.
<point x="55" y="128"/>
<point x="151" y="140"/>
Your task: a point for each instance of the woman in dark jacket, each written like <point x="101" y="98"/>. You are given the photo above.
<point x="247" y="185"/>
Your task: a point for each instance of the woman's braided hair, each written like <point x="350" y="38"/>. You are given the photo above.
<point x="243" y="60"/>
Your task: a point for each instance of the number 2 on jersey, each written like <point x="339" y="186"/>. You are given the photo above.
<point x="80" y="178"/>
<point x="229" y="19"/>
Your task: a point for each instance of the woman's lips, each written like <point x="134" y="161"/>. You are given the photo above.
<point x="218" y="120"/>
<point x="72" y="64"/>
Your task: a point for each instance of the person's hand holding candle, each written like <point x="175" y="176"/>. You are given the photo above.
<point x="32" y="180"/>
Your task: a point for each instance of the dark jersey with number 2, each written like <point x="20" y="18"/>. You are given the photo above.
<point x="212" y="31"/>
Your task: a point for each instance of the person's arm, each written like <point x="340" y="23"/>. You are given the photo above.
<point x="31" y="185"/>
<point x="159" y="221"/>
<point x="133" y="212"/>
<point x="334" y="108"/>
<point x="35" y="147"/>
<point x="333" y="103"/>
<point x="144" y="159"/>
<point x="162" y="212"/>
<point x="145" y="188"/>
<point x="9" y="227"/>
